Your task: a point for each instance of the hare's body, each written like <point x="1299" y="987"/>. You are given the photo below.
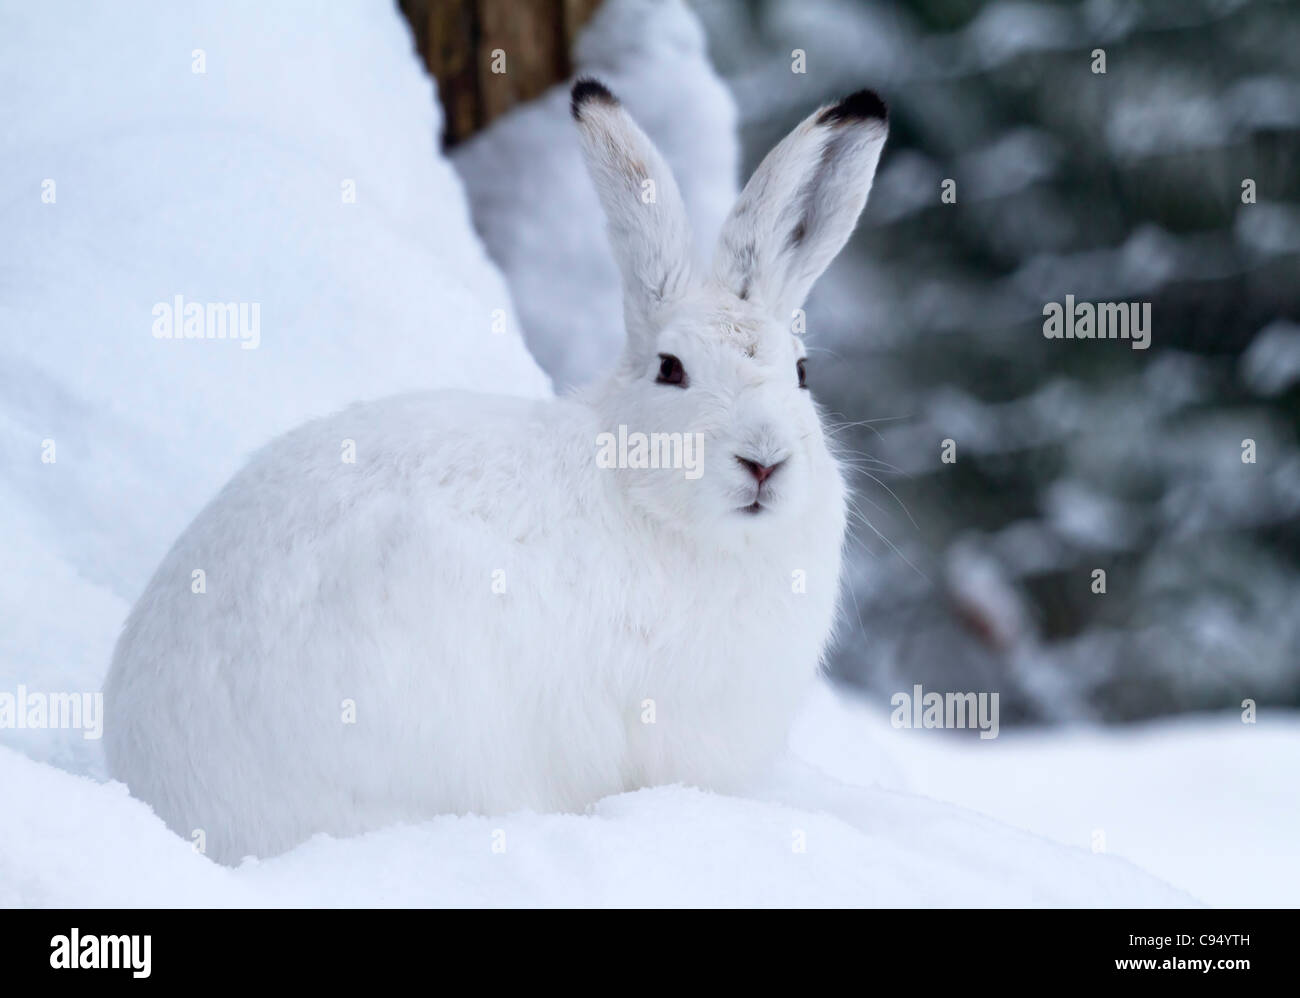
<point x="463" y="603"/>
<point x="394" y="638"/>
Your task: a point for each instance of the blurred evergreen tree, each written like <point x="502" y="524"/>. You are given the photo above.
<point x="1130" y="185"/>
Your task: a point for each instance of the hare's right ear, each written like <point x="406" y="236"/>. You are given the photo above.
<point x="799" y="208"/>
<point x="648" y="227"/>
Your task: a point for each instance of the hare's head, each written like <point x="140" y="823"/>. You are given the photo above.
<point x="713" y="357"/>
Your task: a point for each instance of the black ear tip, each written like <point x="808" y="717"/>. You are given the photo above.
<point x="588" y="89"/>
<point x="865" y="105"/>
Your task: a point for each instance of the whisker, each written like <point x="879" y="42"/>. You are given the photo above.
<point x="891" y="545"/>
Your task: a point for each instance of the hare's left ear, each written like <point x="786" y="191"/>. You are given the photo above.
<point x="799" y="208"/>
<point x="648" y="227"/>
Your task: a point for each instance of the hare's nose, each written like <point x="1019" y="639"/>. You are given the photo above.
<point x="761" y="472"/>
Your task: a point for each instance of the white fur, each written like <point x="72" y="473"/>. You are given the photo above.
<point x="629" y="594"/>
<point x="540" y="218"/>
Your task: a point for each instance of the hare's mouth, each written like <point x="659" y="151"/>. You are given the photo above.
<point x="753" y="509"/>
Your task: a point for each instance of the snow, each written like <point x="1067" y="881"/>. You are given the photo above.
<point x="536" y="209"/>
<point x="1206" y="802"/>
<point x="1271" y="364"/>
<point x="227" y="186"/>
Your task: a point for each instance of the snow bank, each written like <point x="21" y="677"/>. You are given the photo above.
<point x="536" y="208"/>
<point x="281" y="156"/>
<point x="806" y="839"/>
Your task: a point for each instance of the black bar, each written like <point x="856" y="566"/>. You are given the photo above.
<point x="925" y="947"/>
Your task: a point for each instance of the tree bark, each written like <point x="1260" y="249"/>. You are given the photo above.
<point x="489" y="55"/>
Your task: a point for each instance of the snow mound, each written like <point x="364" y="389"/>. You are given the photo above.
<point x="804" y="840"/>
<point x="281" y="156"/>
<point x="534" y="203"/>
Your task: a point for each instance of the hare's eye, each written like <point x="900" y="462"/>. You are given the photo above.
<point x="802" y="368"/>
<point x="671" y="371"/>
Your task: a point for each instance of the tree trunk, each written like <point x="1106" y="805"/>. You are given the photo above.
<point x="489" y="55"/>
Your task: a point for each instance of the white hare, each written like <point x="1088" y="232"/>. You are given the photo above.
<point x="503" y="603"/>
